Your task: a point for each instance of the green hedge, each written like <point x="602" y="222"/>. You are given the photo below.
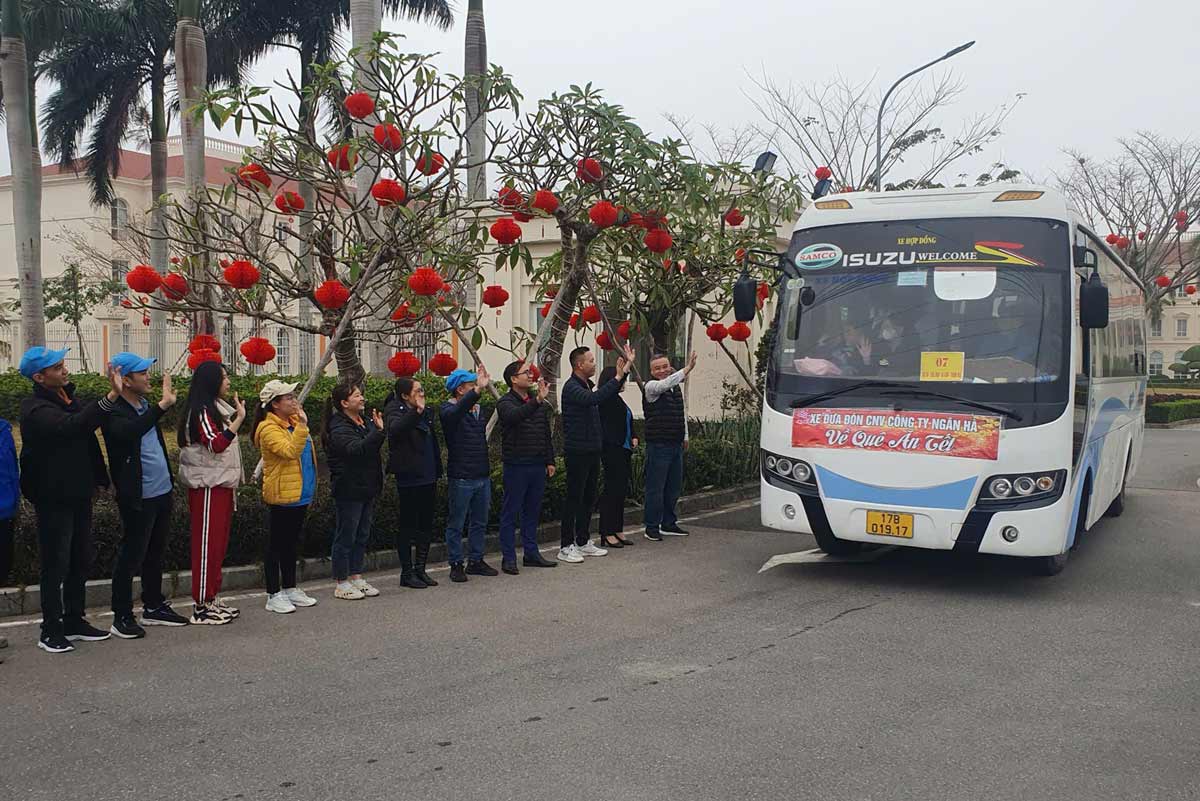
<point x="1173" y="411"/>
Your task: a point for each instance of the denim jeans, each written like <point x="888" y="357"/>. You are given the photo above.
<point x="351" y="537"/>
<point x="664" y="482"/>
<point x="524" y="486"/>
<point x="468" y="497"/>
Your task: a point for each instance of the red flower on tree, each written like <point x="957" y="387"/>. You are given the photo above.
<point x="430" y="163"/>
<point x="1163" y="281"/>
<point x="591" y="314"/>
<point x="359" y="105"/>
<point x="388" y="137"/>
<point x="254" y="176"/>
<point x="495" y="296"/>
<point x="241" y="274"/>
<point x="425" y="281"/>
<point x="257" y="350"/>
<point x="545" y="200"/>
<point x="442" y="364"/>
<point x="388" y="192"/>
<point x="658" y="241"/>
<point x="604" y="341"/>
<point x="505" y="231"/>
<point x="589" y="171"/>
<point x="735" y="217"/>
<point x="823" y="173"/>
<point x="199" y="357"/>
<point x="603" y="214"/>
<point x="739" y="331"/>
<point x="341" y="158"/>
<point x="332" y="294"/>
<point x="509" y="198"/>
<point x="143" y="278"/>
<point x="404" y="363"/>
<point x="175" y="286"/>
<point x="716" y="332"/>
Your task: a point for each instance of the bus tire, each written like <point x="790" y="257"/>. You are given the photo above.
<point x="1050" y="565"/>
<point x="1117" y="507"/>
<point x="831" y="545"/>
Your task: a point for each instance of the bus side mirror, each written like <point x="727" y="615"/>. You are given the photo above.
<point x="1093" y="303"/>
<point x="1085" y="257"/>
<point x="745" y="298"/>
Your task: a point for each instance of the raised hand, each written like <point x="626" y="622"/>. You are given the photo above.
<point x="543" y="389"/>
<point x="303" y="415"/>
<point x="114" y="382"/>
<point x="691" y="362"/>
<point x="239" y="408"/>
<point x="377" y="418"/>
<point x="168" y="393"/>
<point x="482" y="379"/>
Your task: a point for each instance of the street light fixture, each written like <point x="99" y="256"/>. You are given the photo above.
<point x="882" y="103"/>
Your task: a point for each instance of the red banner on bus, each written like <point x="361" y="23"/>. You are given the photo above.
<point x="965" y="436"/>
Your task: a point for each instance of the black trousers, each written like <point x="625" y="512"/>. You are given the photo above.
<point x="415" y="527"/>
<point x="616" y="487"/>
<point x="583" y="479"/>
<point x="65" y="550"/>
<point x="7" y="528"/>
<point x="146" y="529"/>
<point x="286" y="524"/>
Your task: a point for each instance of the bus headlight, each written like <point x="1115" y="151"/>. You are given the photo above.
<point x="801" y="472"/>
<point x="1019" y="488"/>
<point x="1000" y="487"/>
<point x="794" y="471"/>
<point x="1025" y="485"/>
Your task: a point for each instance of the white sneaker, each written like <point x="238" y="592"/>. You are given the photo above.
<point x="362" y="586"/>
<point x="591" y="550"/>
<point x="299" y="597"/>
<point x="569" y="554"/>
<point x="347" y="592"/>
<point x="279" y="603"/>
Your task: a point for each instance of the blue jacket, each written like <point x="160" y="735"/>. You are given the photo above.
<point x="466" y="438"/>
<point x="10" y="474"/>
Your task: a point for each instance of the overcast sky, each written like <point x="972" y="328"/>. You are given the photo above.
<point x="1090" y="71"/>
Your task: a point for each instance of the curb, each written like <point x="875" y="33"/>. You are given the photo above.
<point x="1177" y="424"/>
<point x="17" y="601"/>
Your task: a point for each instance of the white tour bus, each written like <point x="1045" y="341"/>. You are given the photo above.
<point x="952" y="369"/>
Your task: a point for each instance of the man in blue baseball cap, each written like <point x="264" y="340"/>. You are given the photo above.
<point x="468" y="472"/>
<point x="141" y="476"/>
<point x="61" y="467"/>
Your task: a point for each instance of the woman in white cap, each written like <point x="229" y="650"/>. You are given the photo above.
<point x="289" y="483"/>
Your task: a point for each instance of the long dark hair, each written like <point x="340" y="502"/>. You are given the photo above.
<point x="202" y="399"/>
<point x="402" y="387"/>
<point x="333" y="405"/>
<point x="260" y="414"/>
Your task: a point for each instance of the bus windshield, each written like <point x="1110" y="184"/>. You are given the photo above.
<point x="974" y="306"/>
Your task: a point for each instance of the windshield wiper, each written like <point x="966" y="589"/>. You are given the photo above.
<point x="925" y="393"/>
<point x="809" y="400"/>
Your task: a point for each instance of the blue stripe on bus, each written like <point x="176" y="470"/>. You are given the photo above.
<point x="1109" y="411"/>
<point x="955" y="495"/>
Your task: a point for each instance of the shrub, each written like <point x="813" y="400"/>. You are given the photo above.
<point x="1173" y="411"/>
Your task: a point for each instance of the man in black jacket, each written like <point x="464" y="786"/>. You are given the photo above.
<point x="61" y="467"/>
<point x="528" y="453"/>
<point x="583" y="443"/>
<point x="468" y="472"/>
<point x="141" y="476"/>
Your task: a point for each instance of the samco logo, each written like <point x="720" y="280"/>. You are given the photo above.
<point x="818" y="257"/>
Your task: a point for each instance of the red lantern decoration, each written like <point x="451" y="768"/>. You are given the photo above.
<point x="1112" y="239"/>
<point x="495" y="296"/>
<point x="359" y="105"/>
<point x="522" y="216"/>
<point x="716" y="332"/>
<point x="388" y="137"/>
<point x="735" y="217"/>
<point x="589" y="171"/>
<point x="1181" y="216"/>
<point x="651" y="220"/>
<point x="404" y="363"/>
<point x="289" y="202"/>
<point x="534" y="372"/>
<point x="846" y="189"/>
<point x="431" y="163"/>
<point x="509" y="198"/>
<point x="823" y="173"/>
<point x="332" y="294"/>
<point x="258" y="350"/>
<point x="388" y="192"/>
<point x="574" y="321"/>
<point x="1123" y="242"/>
<point x="425" y="281"/>
<point x="241" y="274"/>
<point x="505" y="231"/>
<point x="739" y="255"/>
<point x="764" y="291"/>
<point x="1181" y="226"/>
<point x="442" y="364"/>
<point x="254" y="176"/>
<point x="604" y="341"/>
<point x="224" y="263"/>
<point x="175" y="286"/>
<point x="1163" y="281"/>
<point x="143" y="278"/>
<point x="341" y="158"/>
<point x="1189" y="289"/>
<point x="199" y="357"/>
<point x="591" y="314"/>
<point x="1141" y="236"/>
<point x="545" y="310"/>
<point x="204" y="342"/>
<point x="401" y="313"/>
<point x="623" y="330"/>
<point x="739" y="331"/>
<point x="603" y="214"/>
<point x="545" y="200"/>
<point x="658" y="241"/>
<point x="551" y="292"/>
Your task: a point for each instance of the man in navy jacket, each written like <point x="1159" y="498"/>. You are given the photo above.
<point x="468" y="472"/>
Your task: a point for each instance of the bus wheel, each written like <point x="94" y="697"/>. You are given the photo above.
<point x="831" y="545"/>
<point x="1050" y="565"/>
<point x="1117" y="507"/>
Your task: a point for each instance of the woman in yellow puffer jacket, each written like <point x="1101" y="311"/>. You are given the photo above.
<point x="289" y="483"/>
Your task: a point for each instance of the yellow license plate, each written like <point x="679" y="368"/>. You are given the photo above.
<point x="890" y="524"/>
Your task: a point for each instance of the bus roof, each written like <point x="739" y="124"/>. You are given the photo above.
<point x="995" y="200"/>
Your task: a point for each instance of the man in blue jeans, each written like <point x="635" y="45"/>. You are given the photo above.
<point x="528" y="453"/>
<point x="468" y="472"/>
<point x="666" y="438"/>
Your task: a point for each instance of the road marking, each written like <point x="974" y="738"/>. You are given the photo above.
<point x="816" y="556"/>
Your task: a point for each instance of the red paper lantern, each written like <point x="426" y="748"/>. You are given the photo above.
<point x="739" y="331"/>
<point x="401" y="313"/>
<point x="509" y="198"/>
<point x="551" y="291"/>
<point x="425" y="281"/>
<point x="658" y="241"/>
<point x="404" y="363"/>
<point x="545" y="200"/>
<point x="143" y="278"/>
<point x="522" y="216"/>
<point x="1189" y="289"/>
<point x="651" y="220"/>
<point x="739" y="255"/>
<point x="1181" y="226"/>
<point x="289" y="202"/>
<point x="388" y="192"/>
<point x="1181" y="216"/>
<point x="430" y="164"/>
<point x="574" y="321"/>
<point x="534" y="372"/>
<point x="442" y="364"/>
<point x="388" y="137"/>
<point x="505" y="231"/>
<point x="735" y="217"/>
<point x="623" y="330"/>
<point x="332" y="294"/>
<point x="1141" y="236"/>
<point x="175" y="286"/>
<point x="1112" y="239"/>
<point x="589" y="171"/>
<point x="545" y="310"/>
<point x="199" y="357"/>
<point x="603" y="214"/>
<point x="204" y="342"/>
<point x="258" y="350"/>
<point x="1123" y="242"/>
<point x="604" y="341"/>
<point x="591" y="314"/>
<point x="359" y="105"/>
<point x="254" y="176"/>
<point x="764" y="291"/>
<point x="1163" y="281"/>
<point x="224" y="263"/>
<point x="341" y="158"/>
<point x="241" y="274"/>
<point x="823" y="173"/>
<point x="716" y="332"/>
<point x="495" y="296"/>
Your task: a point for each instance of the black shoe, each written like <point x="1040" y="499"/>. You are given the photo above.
<point x="674" y="531"/>
<point x="481" y="568"/>
<point x="125" y="627"/>
<point x="162" y="615"/>
<point x="604" y="542"/>
<point x="419" y="566"/>
<point x="626" y="543"/>
<point x="411" y="581"/>
<point x="55" y="644"/>
<point x="653" y="536"/>
<point x="537" y="560"/>
<point x="510" y="568"/>
<point x="82" y="630"/>
<point x="457" y="574"/>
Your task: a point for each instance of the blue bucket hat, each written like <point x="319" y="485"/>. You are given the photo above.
<point x="127" y="363"/>
<point x="39" y="358"/>
<point x="458" y="378"/>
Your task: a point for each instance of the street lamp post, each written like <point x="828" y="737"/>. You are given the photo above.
<point x="882" y="103"/>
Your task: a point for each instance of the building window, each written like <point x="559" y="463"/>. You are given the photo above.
<point x="1181" y="327"/>
<point x="283" y="352"/>
<point x="229" y="334"/>
<point x="119" y="268"/>
<point x="119" y="219"/>
<point x="1156" y="363"/>
<point x="125" y="343"/>
<point x="1156" y="328"/>
<point x="282" y="232"/>
<point x="307" y="345"/>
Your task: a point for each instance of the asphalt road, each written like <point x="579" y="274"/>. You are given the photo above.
<point x="669" y="671"/>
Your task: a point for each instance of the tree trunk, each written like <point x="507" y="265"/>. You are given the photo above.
<point x="191" y="76"/>
<point x="474" y="70"/>
<point x="349" y="365"/>
<point x="26" y="173"/>
<point x="564" y="305"/>
<point x="159" y="252"/>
